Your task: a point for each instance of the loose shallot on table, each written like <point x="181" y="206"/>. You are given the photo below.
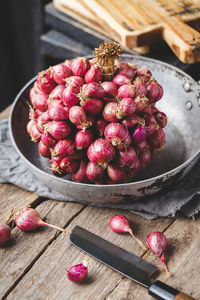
<point x="97" y="119"/>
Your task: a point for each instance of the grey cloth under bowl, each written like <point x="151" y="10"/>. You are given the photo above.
<point x="182" y="199"/>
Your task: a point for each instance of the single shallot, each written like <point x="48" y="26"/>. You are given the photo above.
<point x="157" y="242"/>
<point x="29" y="219"/>
<point x="120" y="224"/>
<point x="78" y="272"/>
<point x="5" y="233"/>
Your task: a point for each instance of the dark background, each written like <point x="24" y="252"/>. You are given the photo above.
<point x="20" y="58"/>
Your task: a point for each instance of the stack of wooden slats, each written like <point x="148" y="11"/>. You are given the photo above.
<point x="136" y="23"/>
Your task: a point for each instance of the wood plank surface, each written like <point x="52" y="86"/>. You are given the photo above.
<point x="182" y="256"/>
<point x="25" y="247"/>
<point x="13" y="199"/>
<point x="47" y="278"/>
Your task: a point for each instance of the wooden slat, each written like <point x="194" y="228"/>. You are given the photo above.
<point x="136" y="25"/>
<point x="4" y="114"/>
<point x="182" y="256"/>
<point x="25" y="248"/>
<point x="14" y="198"/>
<point x="70" y="8"/>
<point x="47" y="278"/>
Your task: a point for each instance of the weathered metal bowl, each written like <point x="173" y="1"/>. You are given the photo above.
<point x="181" y="103"/>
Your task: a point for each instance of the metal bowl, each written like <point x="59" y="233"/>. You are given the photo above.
<point x="181" y="103"/>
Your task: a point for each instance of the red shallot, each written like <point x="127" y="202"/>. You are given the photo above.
<point x="126" y="91"/>
<point x="58" y="129"/>
<point x="78" y="116"/>
<point x="157" y="242"/>
<point x="79" y="66"/>
<point x="110" y="89"/>
<point x="92" y="105"/>
<point x="116" y="174"/>
<point x="161" y="118"/>
<point x="29" y="219"/>
<point x="44" y="150"/>
<point x="94" y="172"/>
<point x="118" y="135"/>
<point x="80" y="174"/>
<point x="48" y="140"/>
<point x="83" y="139"/>
<point x="76" y="81"/>
<point x="156" y="140"/>
<point x="120" y="224"/>
<point x="101" y="152"/>
<point x="101" y="125"/>
<point x="63" y="148"/>
<point x="40" y="101"/>
<point x="92" y="89"/>
<point x="109" y="112"/>
<point x="56" y="93"/>
<point x="121" y="79"/>
<point x="69" y="164"/>
<point x="58" y="112"/>
<point x="60" y="73"/>
<point x="5" y="234"/>
<point x="45" y="81"/>
<point x="78" y="272"/>
<point x="70" y="95"/>
<point x="94" y="74"/>
<point x="125" y="108"/>
<point x="127" y="158"/>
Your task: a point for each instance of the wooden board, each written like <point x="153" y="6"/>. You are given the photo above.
<point x="136" y="25"/>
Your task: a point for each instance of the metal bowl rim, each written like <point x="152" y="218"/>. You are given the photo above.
<point x="185" y="164"/>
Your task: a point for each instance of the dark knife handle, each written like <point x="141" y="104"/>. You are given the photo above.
<point x="160" y="290"/>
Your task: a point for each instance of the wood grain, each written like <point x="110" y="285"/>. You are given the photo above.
<point x="25" y="248"/>
<point x="50" y="269"/>
<point x="136" y="25"/>
<point x="182" y="296"/>
<point x="182" y="258"/>
<point x="12" y="198"/>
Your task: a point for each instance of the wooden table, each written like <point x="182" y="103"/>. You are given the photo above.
<point x="33" y="265"/>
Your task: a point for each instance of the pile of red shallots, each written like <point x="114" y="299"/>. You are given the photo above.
<point x="94" y="121"/>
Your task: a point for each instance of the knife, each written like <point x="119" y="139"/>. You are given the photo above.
<point x="125" y="263"/>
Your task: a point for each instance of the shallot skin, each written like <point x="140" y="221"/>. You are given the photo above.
<point x="60" y="73"/>
<point x="101" y="152"/>
<point x="110" y="89"/>
<point x="28" y="219"/>
<point x="157" y="242"/>
<point x="94" y="172"/>
<point x="79" y="66"/>
<point x="5" y="234"/>
<point x="80" y="175"/>
<point x="94" y="74"/>
<point x="116" y="174"/>
<point x="78" y="272"/>
<point x="45" y="81"/>
<point x="118" y="135"/>
<point x="119" y="224"/>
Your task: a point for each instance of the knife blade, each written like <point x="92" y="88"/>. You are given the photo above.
<point x="125" y="263"/>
